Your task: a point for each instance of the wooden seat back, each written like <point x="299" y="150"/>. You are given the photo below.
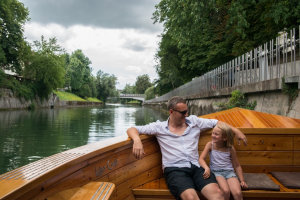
<point x="269" y="149"/>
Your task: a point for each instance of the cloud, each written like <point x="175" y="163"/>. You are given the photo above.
<point x="110" y="14"/>
<point x="134" y="46"/>
<point x="111" y="50"/>
<point x="118" y="36"/>
<point x="133" y="69"/>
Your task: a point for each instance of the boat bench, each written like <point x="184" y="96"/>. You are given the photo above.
<point x="268" y="188"/>
<point x="90" y="191"/>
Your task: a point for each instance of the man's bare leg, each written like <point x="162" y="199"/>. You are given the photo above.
<point x="189" y="194"/>
<point x="212" y="192"/>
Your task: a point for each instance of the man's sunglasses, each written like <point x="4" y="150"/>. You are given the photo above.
<point x="181" y="112"/>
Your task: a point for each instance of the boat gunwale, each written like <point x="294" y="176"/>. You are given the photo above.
<point x="266" y="131"/>
<point x="105" y="146"/>
<point x="90" y="153"/>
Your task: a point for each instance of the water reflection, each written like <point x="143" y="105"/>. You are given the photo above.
<point x="29" y="136"/>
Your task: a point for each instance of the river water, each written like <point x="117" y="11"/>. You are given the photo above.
<point x="27" y="136"/>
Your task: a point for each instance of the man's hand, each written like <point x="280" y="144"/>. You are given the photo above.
<point x="138" y="149"/>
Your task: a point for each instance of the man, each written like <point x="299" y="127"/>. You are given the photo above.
<point x="178" y="140"/>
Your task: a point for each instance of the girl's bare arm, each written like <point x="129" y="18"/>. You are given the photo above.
<point x="238" y="168"/>
<point x="238" y="134"/>
<point x="202" y="162"/>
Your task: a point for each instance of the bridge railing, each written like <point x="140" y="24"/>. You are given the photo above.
<point x="132" y="95"/>
<point x="276" y="59"/>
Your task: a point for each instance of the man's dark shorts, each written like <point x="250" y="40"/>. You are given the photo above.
<point x="180" y="179"/>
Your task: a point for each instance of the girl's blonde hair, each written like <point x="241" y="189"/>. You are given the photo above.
<point x="226" y="133"/>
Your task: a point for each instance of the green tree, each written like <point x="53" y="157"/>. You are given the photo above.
<point x="46" y="67"/>
<point x="68" y="71"/>
<point x="78" y="74"/>
<point x="106" y="85"/>
<point x="168" y="68"/>
<point x="13" y="47"/>
<point x="204" y="34"/>
<point x="142" y="83"/>
<point x="93" y="86"/>
<point x="129" y="89"/>
<point x="150" y="93"/>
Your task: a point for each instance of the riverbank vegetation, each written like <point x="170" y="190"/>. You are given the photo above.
<point x="202" y="35"/>
<point x="142" y="85"/>
<point x="92" y="99"/>
<point x="198" y="36"/>
<point x="237" y="99"/>
<point x="133" y="102"/>
<point x="37" y="69"/>
<point x="67" y="96"/>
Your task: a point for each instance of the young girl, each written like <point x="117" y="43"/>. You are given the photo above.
<point x="223" y="162"/>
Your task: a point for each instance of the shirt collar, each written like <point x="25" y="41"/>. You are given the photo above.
<point x="187" y="121"/>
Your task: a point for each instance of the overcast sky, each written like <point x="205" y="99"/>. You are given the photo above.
<point x="118" y="36"/>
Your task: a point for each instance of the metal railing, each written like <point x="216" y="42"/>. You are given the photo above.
<point x="132" y="95"/>
<point x="276" y="59"/>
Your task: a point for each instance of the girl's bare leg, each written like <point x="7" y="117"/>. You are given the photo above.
<point x="235" y="188"/>
<point x="224" y="187"/>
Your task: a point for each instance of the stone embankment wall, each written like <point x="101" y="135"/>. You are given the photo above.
<point x="273" y="102"/>
<point x="9" y="101"/>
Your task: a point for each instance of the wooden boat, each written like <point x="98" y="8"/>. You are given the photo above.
<point x="108" y="170"/>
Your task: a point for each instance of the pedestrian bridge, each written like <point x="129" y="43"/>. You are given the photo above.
<point x="140" y="97"/>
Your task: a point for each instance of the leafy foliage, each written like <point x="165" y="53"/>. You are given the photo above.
<point x="106" y="86"/>
<point x="237" y="99"/>
<point x="78" y="74"/>
<point x="142" y="83"/>
<point x="128" y="89"/>
<point x="46" y="67"/>
<point x="23" y="89"/>
<point x="171" y="75"/>
<point x="66" y="96"/>
<point x="290" y="89"/>
<point x="150" y="93"/>
<point x="13" y="47"/>
<point x="200" y="35"/>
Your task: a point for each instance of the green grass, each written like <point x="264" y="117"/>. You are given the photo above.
<point x="134" y="102"/>
<point x="66" y="96"/>
<point x="92" y="99"/>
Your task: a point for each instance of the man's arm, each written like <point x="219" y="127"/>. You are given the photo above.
<point x="238" y="134"/>
<point x="137" y="149"/>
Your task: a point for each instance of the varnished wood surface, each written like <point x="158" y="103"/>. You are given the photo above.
<point x="90" y="191"/>
<point x="268" y="150"/>
<point x="244" y="118"/>
<point x="271" y="146"/>
<point x="106" y="160"/>
<point x="157" y="189"/>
